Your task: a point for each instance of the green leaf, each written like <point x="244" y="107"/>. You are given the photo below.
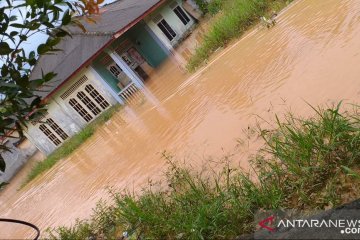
<point x="3" y="184"/>
<point x="49" y="76"/>
<point x="5" y="48"/>
<point x="17" y="25"/>
<point x="2" y="164"/>
<point x="42" y="48"/>
<point x="66" y="18"/>
<point x="4" y="70"/>
<point x="32" y="55"/>
<point x="14" y="33"/>
<point x="13" y="18"/>
<point x="36" y="102"/>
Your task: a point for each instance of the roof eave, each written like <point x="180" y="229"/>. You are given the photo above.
<point x="114" y="37"/>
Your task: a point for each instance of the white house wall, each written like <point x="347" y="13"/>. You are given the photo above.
<point x="175" y="23"/>
<point x="64" y="115"/>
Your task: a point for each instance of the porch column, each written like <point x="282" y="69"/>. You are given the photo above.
<point x="106" y="85"/>
<point x="126" y="69"/>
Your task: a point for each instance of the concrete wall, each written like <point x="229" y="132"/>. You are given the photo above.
<point x="105" y="73"/>
<point x="17" y="158"/>
<point x="64" y="115"/>
<point x="175" y="23"/>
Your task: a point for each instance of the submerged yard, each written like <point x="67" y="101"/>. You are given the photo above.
<point x="307" y="58"/>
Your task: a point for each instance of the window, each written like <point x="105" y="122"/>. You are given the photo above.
<point x="181" y="15"/>
<point x="88" y="103"/>
<point x="51" y="136"/>
<point x="166" y="29"/>
<point x="74" y="87"/>
<point x="115" y="70"/>
<point x="79" y="109"/>
<point x="58" y="130"/>
<point x="96" y="96"/>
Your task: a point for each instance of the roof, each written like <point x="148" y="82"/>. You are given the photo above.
<point x="81" y="47"/>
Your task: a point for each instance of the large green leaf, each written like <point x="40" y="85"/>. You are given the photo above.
<point x="2" y="164"/>
<point x="66" y="18"/>
<point x="5" y="48"/>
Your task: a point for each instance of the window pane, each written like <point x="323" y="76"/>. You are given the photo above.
<point x="88" y="103"/>
<point x="78" y="108"/>
<point x="50" y="135"/>
<point x="96" y="96"/>
<point x="166" y="29"/>
<point x="181" y="15"/>
<point x="54" y="126"/>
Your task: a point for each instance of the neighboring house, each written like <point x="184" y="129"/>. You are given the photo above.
<point x="105" y="65"/>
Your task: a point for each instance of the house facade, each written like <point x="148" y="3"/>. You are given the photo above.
<point x="106" y="65"/>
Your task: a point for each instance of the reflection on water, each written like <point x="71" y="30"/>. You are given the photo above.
<point x="310" y="55"/>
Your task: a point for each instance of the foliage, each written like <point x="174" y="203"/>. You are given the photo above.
<point x="203" y="4"/>
<point x="19" y="21"/>
<point x="304" y="164"/>
<point x="70" y="145"/>
<point x="215" y="6"/>
<point x="235" y="18"/>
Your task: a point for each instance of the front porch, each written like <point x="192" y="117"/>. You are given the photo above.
<point x="130" y="60"/>
<point x="135" y="56"/>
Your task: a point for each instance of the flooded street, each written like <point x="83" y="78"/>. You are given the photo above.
<point x="310" y="56"/>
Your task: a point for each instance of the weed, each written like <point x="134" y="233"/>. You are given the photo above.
<point x="304" y="164"/>
<point x="235" y="18"/>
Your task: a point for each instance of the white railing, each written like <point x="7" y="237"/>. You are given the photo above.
<point x="130" y="93"/>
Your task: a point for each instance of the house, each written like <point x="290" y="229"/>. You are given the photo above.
<point x="101" y="67"/>
<point x="105" y="65"/>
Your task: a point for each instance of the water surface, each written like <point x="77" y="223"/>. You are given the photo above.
<point x="310" y="56"/>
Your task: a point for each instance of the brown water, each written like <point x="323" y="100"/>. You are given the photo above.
<point x="311" y="55"/>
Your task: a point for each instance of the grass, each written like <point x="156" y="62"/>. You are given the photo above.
<point x="305" y="164"/>
<point x="70" y="145"/>
<point x="234" y="18"/>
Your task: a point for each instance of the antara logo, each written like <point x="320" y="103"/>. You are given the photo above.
<point x="267" y="222"/>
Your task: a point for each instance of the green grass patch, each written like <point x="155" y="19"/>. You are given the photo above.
<point x="305" y="164"/>
<point x="235" y="17"/>
<point x="70" y="145"/>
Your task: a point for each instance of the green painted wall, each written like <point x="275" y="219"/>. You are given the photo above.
<point x="105" y="74"/>
<point x="146" y="45"/>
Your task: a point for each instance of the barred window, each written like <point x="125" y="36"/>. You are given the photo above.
<point x="51" y="136"/>
<point x="96" y="96"/>
<point x="115" y="70"/>
<point x="78" y="108"/>
<point x="166" y="29"/>
<point x="88" y="103"/>
<point x="59" y="131"/>
<point x="181" y="15"/>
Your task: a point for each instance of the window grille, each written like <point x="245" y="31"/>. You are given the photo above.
<point x="181" y="15"/>
<point x="88" y="103"/>
<point x="115" y="70"/>
<point x="59" y="131"/>
<point x="79" y="109"/>
<point x="50" y="135"/>
<point x="96" y="96"/>
<point x="73" y="88"/>
<point x="166" y="29"/>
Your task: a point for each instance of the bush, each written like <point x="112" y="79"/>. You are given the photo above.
<point x="304" y="164"/>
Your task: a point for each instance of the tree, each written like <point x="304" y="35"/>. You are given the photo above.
<point x="19" y="21"/>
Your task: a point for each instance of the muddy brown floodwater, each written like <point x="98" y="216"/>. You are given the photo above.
<point x="312" y="55"/>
